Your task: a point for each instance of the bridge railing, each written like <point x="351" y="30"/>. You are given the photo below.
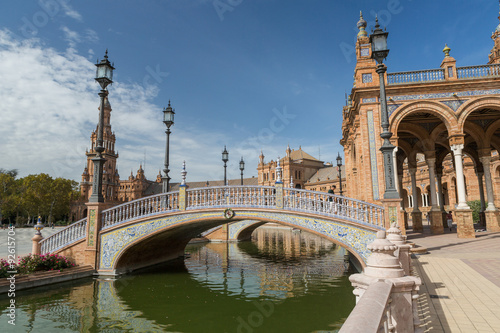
<point x="224" y="196"/>
<point x="334" y="205"/>
<point x="72" y="233"/>
<point x="152" y="205"/>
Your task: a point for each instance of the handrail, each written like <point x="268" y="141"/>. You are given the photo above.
<point x="72" y="233"/>
<point x="333" y="205"/>
<point x="152" y="205"/>
<point x="481" y="71"/>
<point x="231" y="196"/>
<point x="372" y="313"/>
<point x="427" y="75"/>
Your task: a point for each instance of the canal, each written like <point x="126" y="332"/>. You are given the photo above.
<point x="281" y="281"/>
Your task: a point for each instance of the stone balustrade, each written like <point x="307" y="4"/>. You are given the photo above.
<point x="386" y="295"/>
<point x="72" y="233"/>
<point x="438" y="75"/>
<point x="428" y="75"/>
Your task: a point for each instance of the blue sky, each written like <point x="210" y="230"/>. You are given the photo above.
<point x="249" y="74"/>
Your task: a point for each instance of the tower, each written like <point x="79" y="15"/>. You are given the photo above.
<point x="111" y="177"/>
<point x="494" y="56"/>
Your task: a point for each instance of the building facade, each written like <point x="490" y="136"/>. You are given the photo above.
<point x="301" y="170"/>
<point x="446" y="129"/>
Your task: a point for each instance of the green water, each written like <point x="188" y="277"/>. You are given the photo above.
<point x="281" y="281"/>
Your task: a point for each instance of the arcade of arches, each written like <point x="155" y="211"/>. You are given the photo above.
<point x="446" y="130"/>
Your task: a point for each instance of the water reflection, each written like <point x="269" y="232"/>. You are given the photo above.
<point x="280" y="282"/>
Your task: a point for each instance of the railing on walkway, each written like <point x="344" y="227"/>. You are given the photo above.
<point x="72" y="233"/>
<point x="483" y="71"/>
<point x="152" y="205"/>
<point x="231" y="196"/>
<point x="333" y="205"/>
<point x="372" y="313"/>
<point x="428" y="75"/>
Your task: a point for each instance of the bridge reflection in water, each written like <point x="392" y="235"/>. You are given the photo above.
<point x="282" y="281"/>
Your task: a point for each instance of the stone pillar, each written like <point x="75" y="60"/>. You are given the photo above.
<point x="491" y="212"/>
<point x="436" y="215"/>
<point x="416" y="214"/>
<point x="485" y="161"/>
<point x="465" y="226"/>
<point x="392" y="213"/>
<point x="439" y="177"/>
<point x="394" y="235"/>
<point x="459" y="171"/>
<point x="384" y="266"/>
<point x="35" y="249"/>
<point x="479" y="175"/>
<point x="91" y="252"/>
<point x="279" y="194"/>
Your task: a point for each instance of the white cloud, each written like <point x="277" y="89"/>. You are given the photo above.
<point x="50" y="107"/>
<point x="70" y="11"/>
<point x="72" y="37"/>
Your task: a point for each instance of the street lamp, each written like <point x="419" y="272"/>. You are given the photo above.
<point x="339" y="168"/>
<point x="242" y="167"/>
<point x="225" y="158"/>
<point x="104" y="76"/>
<point x="168" y="120"/>
<point x="378" y="39"/>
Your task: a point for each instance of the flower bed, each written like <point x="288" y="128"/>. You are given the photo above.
<point x="35" y="263"/>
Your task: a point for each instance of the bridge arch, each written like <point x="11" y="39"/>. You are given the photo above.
<point x="149" y="241"/>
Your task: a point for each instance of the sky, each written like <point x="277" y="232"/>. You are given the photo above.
<point x="251" y="75"/>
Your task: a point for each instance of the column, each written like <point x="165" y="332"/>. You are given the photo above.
<point x="459" y="171"/>
<point x="436" y="215"/>
<point x="479" y="174"/>
<point x="439" y="177"/>
<point x="416" y="215"/>
<point x="485" y="161"/>
<point x="396" y="176"/>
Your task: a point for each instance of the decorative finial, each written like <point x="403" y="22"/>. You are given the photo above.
<point x="446" y="50"/>
<point x="291" y="181"/>
<point x="361" y="26"/>
<point x="39" y="226"/>
<point x="169" y="102"/>
<point x="183" y="174"/>
<point x="106" y="55"/>
<point x="377" y="26"/>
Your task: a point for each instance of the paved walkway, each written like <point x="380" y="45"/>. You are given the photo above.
<point x="460" y="282"/>
<point x="22" y="239"/>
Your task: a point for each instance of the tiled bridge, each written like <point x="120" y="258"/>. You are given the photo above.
<point x="155" y="229"/>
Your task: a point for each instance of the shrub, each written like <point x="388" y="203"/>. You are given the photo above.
<point x="476" y="208"/>
<point x="45" y="262"/>
<point x="4" y="267"/>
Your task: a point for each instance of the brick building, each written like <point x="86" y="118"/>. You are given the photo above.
<point x="446" y="130"/>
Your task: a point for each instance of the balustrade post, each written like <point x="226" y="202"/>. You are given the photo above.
<point x="384" y="266"/>
<point x="278" y="186"/>
<point x="94" y="220"/>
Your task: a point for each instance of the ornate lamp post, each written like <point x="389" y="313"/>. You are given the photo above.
<point x="378" y="39"/>
<point x="242" y="167"/>
<point x="339" y="168"/>
<point x="104" y="76"/>
<point x="225" y="158"/>
<point x="168" y="120"/>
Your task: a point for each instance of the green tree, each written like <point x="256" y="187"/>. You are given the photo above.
<point x="8" y="191"/>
